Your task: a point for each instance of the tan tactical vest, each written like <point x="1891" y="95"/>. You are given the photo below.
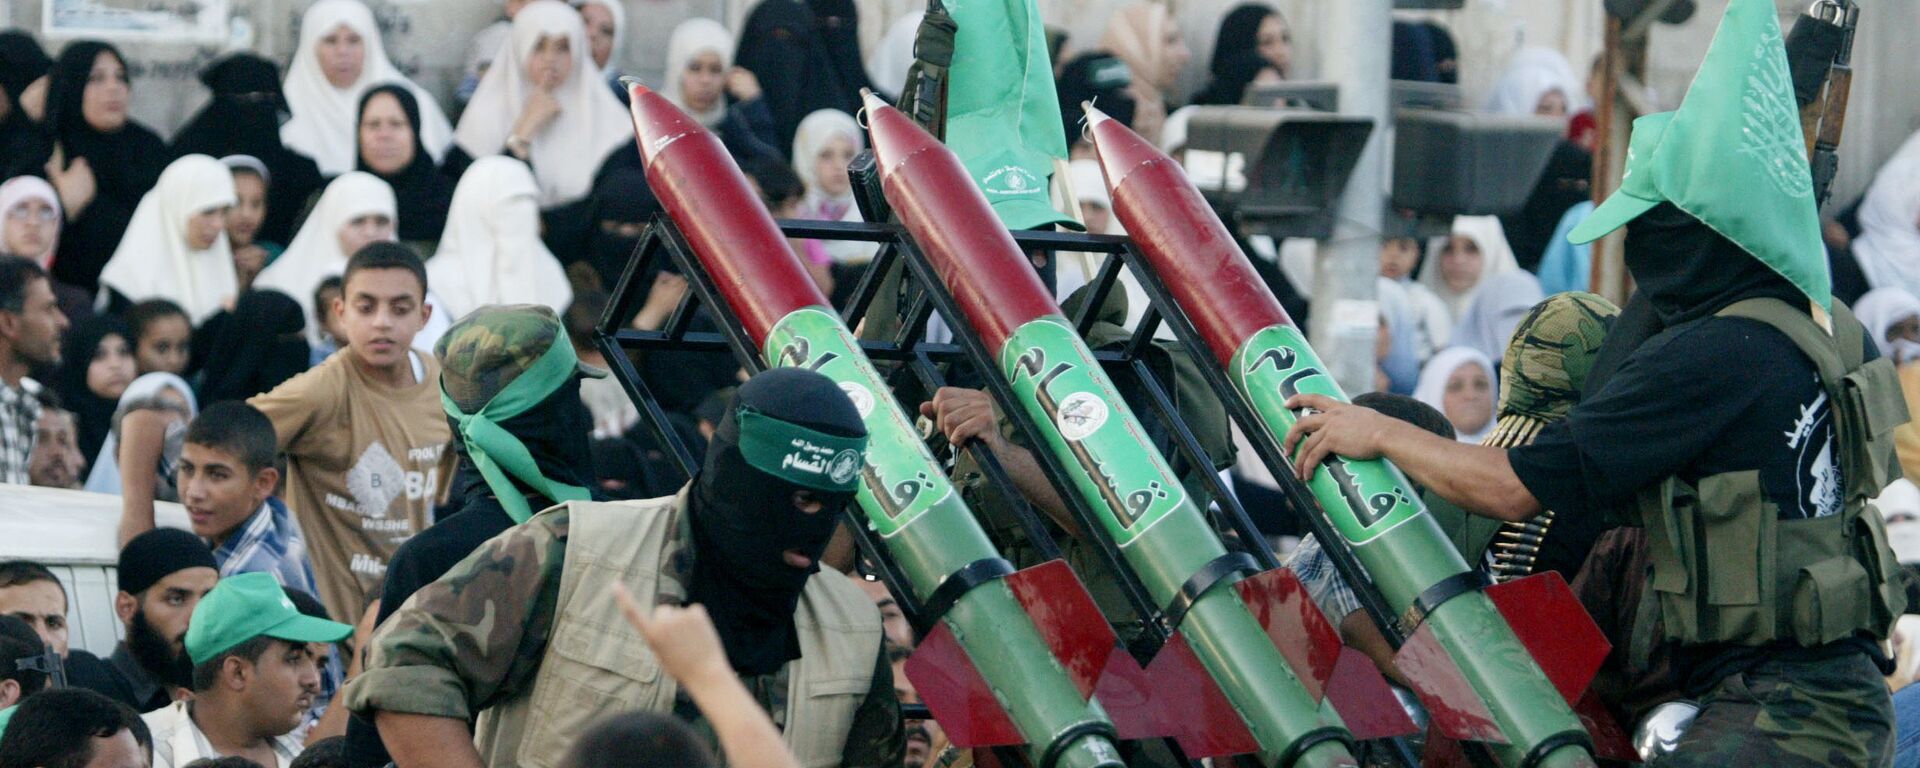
<point x="596" y="664"/>
<point x="1727" y="569"/>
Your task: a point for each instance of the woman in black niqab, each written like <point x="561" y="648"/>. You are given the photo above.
<point x="244" y="119"/>
<point x="125" y="160"/>
<point x="421" y="191"/>
<point x="807" y="58"/>
<point x="252" y="348"/>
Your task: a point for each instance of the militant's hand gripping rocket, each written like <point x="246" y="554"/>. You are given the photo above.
<point x="908" y="501"/>
<point x="1369" y="503"/>
<point x="1137" y="500"/>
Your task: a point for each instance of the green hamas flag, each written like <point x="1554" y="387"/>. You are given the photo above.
<point x="1003" y="117"/>
<point x="1732" y="156"/>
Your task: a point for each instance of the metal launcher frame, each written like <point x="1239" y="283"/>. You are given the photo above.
<point x="908" y="361"/>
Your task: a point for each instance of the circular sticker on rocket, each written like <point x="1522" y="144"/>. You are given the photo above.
<point x="1081" y="414"/>
<point x="861" y="397"/>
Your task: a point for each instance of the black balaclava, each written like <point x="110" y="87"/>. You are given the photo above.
<point x="1099" y="77"/>
<point x="556" y="434"/>
<point x="744" y="519"/>
<point x="1685" y="271"/>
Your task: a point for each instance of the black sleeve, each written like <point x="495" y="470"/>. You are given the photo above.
<point x="1668" y="404"/>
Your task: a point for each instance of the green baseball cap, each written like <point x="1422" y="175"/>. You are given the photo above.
<point x="490" y="348"/>
<point x="243" y="607"/>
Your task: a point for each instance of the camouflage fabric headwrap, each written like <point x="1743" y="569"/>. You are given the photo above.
<point x="1546" y="363"/>
<point x="495" y="364"/>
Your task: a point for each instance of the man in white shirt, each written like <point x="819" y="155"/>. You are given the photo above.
<point x="255" y="676"/>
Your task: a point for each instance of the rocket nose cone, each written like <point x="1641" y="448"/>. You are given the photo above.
<point x="893" y="135"/>
<point x="1120" y="149"/>
<point x="657" y="122"/>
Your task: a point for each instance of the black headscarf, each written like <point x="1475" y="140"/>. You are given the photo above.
<point x="807" y="57"/>
<point x="1236" y="56"/>
<point x="1685" y="271"/>
<point x="125" y="163"/>
<point x="251" y="349"/>
<point x="244" y="119"/>
<point x="620" y="197"/>
<point x="92" y="414"/>
<point x="744" y="520"/>
<point x="21" y="63"/>
<point x="420" y="190"/>
<point x="1099" y="77"/>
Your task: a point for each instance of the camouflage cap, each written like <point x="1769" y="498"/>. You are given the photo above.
<point x="1546" y="363"/>
<point x="489" y="348"/>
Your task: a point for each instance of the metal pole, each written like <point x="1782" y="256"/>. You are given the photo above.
<point x="1358" y="57"/>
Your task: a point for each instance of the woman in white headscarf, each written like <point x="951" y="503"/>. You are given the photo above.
<point x="176" y="247"/>
<point x="703" y="82"/>
<point x="606" y="25"/>
<point x="542" y="102"/>
<point x="339" y="58"/>
<point x="355" y="210"/>
<point x="1459" y="383"/>
<point x="30" y="219"/>
<point x="823" y="145"/>
<point x="1888" y="248"/>
<point x="1476" y="250"/>
<point x="1538" y="81"/>
<point x="491" y="252"/>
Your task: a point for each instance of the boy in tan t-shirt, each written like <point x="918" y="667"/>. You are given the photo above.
<point x="363" y="432"/>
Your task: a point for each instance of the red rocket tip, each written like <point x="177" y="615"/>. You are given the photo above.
<point x="893" y="135"/>
<point x="1120" y="149"/>
<point x="657" y="122"/>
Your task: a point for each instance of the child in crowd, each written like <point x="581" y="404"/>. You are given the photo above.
<point x="162" y="333"/>
<point x="250" y="254"/>
<point x="333" y="334"/>
<point x="363" y="432"/>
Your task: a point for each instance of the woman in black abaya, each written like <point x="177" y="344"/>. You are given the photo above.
<point x="101" y="161"/>
<point x="807" y="58"/>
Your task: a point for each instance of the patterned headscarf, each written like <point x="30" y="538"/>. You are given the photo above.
<point x="1547" y="362"/>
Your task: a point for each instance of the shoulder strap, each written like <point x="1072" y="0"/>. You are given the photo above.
<point x="1825" y="351"/>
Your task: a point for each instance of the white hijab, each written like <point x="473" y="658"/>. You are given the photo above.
<point x="326" y="119"/>
<point x="1496" y="257"/>
<point x="808" y="139"/>
<point x="1534" y="72"/>
<point x="314" y="255"/>
<point x="491" y="252"/>
<point x="692" y="38"/>
<point x="20" y="189"/>
<point x="1888" y="248"/>
<point x="105" y="475"/>
<point x="619" y="14"/>
<point x="568" y="153"/>
<point x="153" y="260"/>
<point x="1432" y="388"/>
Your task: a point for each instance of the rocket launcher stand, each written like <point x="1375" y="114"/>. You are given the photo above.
<point x="1466" y="653"/>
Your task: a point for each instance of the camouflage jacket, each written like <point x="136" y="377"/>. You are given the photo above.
<point x="476" y="638"/>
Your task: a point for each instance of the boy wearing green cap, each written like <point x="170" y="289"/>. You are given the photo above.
<point x="1736" y="413"/>
<point x="255" y="676"/>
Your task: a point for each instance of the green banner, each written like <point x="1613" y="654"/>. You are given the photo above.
<point x="896" y="486"/>
<point x="1363" y="499"/>
<point x="1085" y="421"/>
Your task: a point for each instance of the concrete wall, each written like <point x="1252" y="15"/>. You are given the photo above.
<point x="428" y="39"/>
